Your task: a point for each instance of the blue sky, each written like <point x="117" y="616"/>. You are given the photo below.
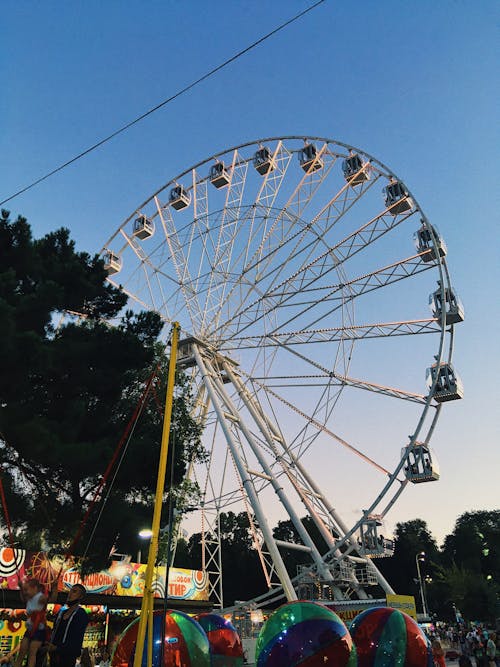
<point x="411" y="83"/>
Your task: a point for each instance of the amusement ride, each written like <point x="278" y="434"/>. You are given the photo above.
<point x="289" y="265"/>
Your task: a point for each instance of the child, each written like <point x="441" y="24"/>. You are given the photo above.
<point x="438" y="653"/>
<point x="36" y="624"/>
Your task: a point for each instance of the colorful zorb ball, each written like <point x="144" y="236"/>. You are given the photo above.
<point x="306" y="634"/>
<point x="185" y="645"/>
<point x="385" y="636"/>
<point x="226" y="649"/>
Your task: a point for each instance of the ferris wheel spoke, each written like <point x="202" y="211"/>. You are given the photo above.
<point x="267" y="304"/>
<point x="150" y="290"/>
<point x="145" y="259"/>
<point x="131" y="295"/>
<point x="367" y="234"/>
<point x="261" y="210"/>
<point x="306" y="436"/>
<point x="285" y="217"/>
<point x="335" y="209"/>
<point x="178" y="259"/>
<point x="254" y="287"/>
<point x="179" y="242"/>
<point x="343" y="250"/>
<point x="194" y="235"/>
<point x="228" y="232"/>
<point x="207" y="267"/>
<point x="163" y="304"/>
<point x="328" y="378"/>
<point x="321" y="428"/>
<point x="304" y="280"/>
<point x="336" y="334"/>
<point x="200" y="224"/>
<point x="346" y="197"/>
<point x="388" y="275"/>
<point x="273" y="180"/>
<point x="392" y="392"/>
<point x="263" y="386"/>
<point x="145" y="300"/>
<point x="320" y="381"/>
<point x="331" y="214"/>
<point x="296" y="204"/>
<point x="200" y="197"/>
<point x="298" y="201"/>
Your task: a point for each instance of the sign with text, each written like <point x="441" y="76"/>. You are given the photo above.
<point x="120" y="578"/>
<point x="404" y="603"/>
<point x="349" y="609"/>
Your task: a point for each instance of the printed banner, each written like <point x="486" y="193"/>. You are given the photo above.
<point x="348" y="610"/>
<point x="121" y="578"/>
<point x="404" y="603"/>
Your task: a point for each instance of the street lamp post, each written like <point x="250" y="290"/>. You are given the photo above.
<point x="420" y="557"/>
<point x="144" y="534"/>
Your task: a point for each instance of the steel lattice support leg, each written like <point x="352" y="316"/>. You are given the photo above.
<point x="266" y="425"/>
<point x="245" y="479"/>
<point x="280" y="492"/>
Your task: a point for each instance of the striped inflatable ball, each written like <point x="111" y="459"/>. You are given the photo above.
<point x="306" y="634"/>
<point x="385" y="636"/>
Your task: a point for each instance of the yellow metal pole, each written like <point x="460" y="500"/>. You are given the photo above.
<point x="146" y="616"/>
<point x="150" y="632"/>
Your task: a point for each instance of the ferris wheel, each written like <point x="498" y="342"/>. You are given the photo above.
<point x="289" y="264"/>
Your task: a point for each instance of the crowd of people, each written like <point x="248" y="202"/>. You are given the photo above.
<point x="475" y="646"/>
<point x="93" y="658"/>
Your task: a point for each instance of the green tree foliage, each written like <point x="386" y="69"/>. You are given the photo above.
<point x="68" y="387"/>
<point x="474" y="595"/>
<point x="470" y="572"/>
<point x="474" y="544"/>
<point x="463" y="573"/>
<point x="412" y="538"/>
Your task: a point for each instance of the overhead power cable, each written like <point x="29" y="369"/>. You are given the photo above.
<point x="164" y="103"/>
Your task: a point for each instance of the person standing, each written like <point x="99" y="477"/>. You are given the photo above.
<point x="33" y="595"/>
<point x="491" y="650"/>
<point x="438" y="653"/>
<point x="480" y="652"/>
<point x="65" y="644"/>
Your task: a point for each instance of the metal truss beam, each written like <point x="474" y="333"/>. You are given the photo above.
<point x="336" y="334"/>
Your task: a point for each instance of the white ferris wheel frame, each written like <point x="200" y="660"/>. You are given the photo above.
<point x="344" y="567"/>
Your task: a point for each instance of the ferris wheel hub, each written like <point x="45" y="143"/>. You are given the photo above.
<point x="186" y="357"/>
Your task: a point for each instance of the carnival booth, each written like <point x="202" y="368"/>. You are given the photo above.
<point x="113" y="595"/>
